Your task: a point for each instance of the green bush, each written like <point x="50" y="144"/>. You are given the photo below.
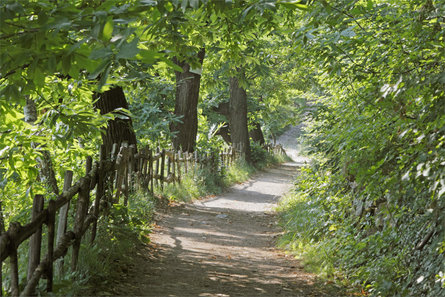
<point x="375" y="249"/>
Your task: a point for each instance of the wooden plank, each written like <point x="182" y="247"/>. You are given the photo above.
<point x="111" y="175"/>
<point x="132" y="168"/>
<point x="162" y="169"/>
<point x="14" y="267"/>
<point x="13" y="260"/>
<point x="120" y="171"/>
<point x="50" y="255"/>
<point x="178" y="174"/>
<point x="60" y="251"/>
<point x="83" y="200"/>
<point x="100" y="191"/>
<point x="158" y="167"/>
<point x="26" y="231"/>
<point x="35" y="243"/>
<point x="168" y="160"/>
<point x="196" y="160"/>
<point x="173" y="166"/>
<point x="143" y="173"/>
<point x="2" y="230"/>
<point x="127" y="174"/>
<point x="63" y="217"/>
<point x="186" y="162"/>
<point x="150" y="171"/>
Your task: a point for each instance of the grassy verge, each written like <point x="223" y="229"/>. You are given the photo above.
<point x="361" y="248"/>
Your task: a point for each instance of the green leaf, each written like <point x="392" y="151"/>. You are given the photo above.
<point x="104" y="76"/>
<point x="148" y="3"/>
<point x="148" y="57"/>
<point x="76" y="46"/>
<point x="128" y="50"/>
<point x="99" y="69"/>
<point x="194" y="4"/>
<point x="293" y="4"/>
<point x="52" y="64"/>
<point x="108" y="30"/>
<point x="66" y="63"/>
<point x="184" y="5"/>
<point x="101" y="53"/>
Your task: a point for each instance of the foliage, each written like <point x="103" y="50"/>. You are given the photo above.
<point x="151" y="106"/>
<point x="238" y="172"/>
<point x="373" y="204"/>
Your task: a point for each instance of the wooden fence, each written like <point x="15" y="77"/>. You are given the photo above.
<point x="107" y="181"/>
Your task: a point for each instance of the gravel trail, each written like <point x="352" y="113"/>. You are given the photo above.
<point x="224" y="246"/>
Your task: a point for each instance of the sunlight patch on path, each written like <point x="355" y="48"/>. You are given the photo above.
<point x="290" y="144"/>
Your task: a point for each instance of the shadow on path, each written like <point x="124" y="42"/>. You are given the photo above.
<point x="224" y="246"/>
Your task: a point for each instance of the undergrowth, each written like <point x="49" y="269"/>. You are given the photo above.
<point x="325" y="229"/>
<point x="122" y="230"/>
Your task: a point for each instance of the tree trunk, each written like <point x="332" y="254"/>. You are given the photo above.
<point x="118" y="130"/>
<point x="238" y="118"/>
<point x="186" y="107"/>
<point x="257" y="134"/>
<point x="224" y="132"/>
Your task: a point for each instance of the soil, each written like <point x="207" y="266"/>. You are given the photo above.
<point x="224" y="246"/>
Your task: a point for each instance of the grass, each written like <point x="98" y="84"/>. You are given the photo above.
<point x="206" y="181"/>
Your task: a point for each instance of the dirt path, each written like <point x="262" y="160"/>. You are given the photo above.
<point x="224" y="246"/>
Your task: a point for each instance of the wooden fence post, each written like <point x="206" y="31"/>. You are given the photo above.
<point x="169" y="161"/>
<point x="13" y="261"/>
<point x="51" y="231"/>
<point x="83" y="200"/>
<point x="111" y="175"/>
<point x="144" y="182"/>
<point x="100" y="191"/>
<point x="221" y="159"/>
<point x="173" y="165"/>
<point x="158" y="162"/>
<point x="186" y="162"/>
<point x="127" y="172"/>
<point x="162" y="169"/>
<point x="178" y="164"/>
<point x="35" y="242"/>
<point x="150" y="171"/>
<point x="2" y="230"/>
<point x="63" y="218"/>
<point x="132" y="167"/>
<point x="232" y="155"/>
<point x="121" y="171"/>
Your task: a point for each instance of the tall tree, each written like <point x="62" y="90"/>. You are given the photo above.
<point x="239" y="131"/>
<point x="120" y="129"/>
<point x="186" y="107"/>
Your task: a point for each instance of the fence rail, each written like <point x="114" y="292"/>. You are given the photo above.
<point x="112" y="177"/>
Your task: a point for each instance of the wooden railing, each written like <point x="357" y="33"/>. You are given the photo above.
<point x="112" y="178"/>
<point x="277" y="149"/>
